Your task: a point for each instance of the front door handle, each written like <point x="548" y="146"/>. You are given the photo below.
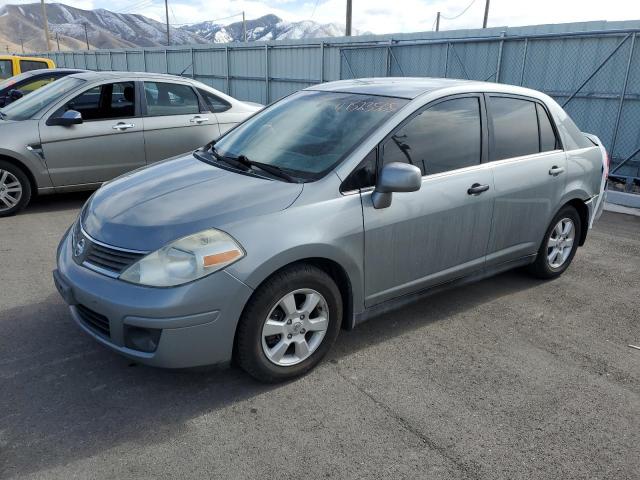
<point x="198" y="119"/>
<point x="555" y="171"/>
<point x="477" y="189"/>
<point x="123" y="126"/>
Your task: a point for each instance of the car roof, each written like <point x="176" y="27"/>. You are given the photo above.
<point x="45" y="71"/>
<point x="408" y="87"/>
<point x="109" y="75"/>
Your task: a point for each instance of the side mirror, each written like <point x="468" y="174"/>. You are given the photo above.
<point x="68" y="118"/>
<point x="15" y="94"/>
<point x="395" y="177"/>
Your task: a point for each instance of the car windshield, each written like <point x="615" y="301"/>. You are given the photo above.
<point x="28" y="106"/>
<point x="308" y="133"/>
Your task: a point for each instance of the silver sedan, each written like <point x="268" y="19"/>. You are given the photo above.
<point x="91" y="127"/>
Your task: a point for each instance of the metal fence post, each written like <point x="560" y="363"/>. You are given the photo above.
<point x="446" y="60"/>
<point x="166" y="61"/>
<point x="126" y="60"/>
<point x="622" y="95"/>
<point x="144" y="59"/>
<point x="110" y="60"/>
<point x="499" y="56"/>
<point x="321" y="62"/>
<point x="228" y="79"/>
<point x="266" y="72"/>
<point x="524" y="60"/>
<point x="388" y="66"/>
<point x="193" y="64"/>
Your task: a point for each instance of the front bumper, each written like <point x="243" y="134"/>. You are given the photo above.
<point x="197" y="320"/>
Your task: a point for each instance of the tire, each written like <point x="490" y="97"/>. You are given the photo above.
<point x="547" y="266"/>
<point x="13" y="178"/>
<point x="281" y="356"/>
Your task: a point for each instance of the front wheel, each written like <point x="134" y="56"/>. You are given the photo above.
<point x="15" y="189"/>
<point x="289" y="324"/>
<point x="559" y="245"/>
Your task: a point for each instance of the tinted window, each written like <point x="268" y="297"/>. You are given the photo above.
<point x="515" y="128"/>
<point x="6" y="69"/>
<point x="113" y="100"/>
<point x="214" y="103"/>
<point x="548" y="140"/>
<point x="170" y="99"/>
<point x="310" y="132"/>
<point x="28" y="65"/>
<point x="444" y="137"/>
<point x="364" y="175"/>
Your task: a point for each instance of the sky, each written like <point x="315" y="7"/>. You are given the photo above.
<point x="376" y="16"/>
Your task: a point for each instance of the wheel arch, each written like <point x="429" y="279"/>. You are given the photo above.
<point x="583" y="212"/>
<point x="17" y="163"/>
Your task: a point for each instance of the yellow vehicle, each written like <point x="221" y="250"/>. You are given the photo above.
<point x="11" y="65"/>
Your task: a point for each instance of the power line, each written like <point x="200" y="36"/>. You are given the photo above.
<point x="461" y="13"/>
<point x="211" y="21"/>
<point x="314" y="10"/>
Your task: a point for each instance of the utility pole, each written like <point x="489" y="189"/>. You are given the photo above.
<point x="244" y="28"/>
<point x="86" y="36"/>
<point x="166" y="7"/>
<point x="438" y="22"/>
<point x="347" y="31"/>
<point x="46" y="25"/>
<point x="486" y="14"/>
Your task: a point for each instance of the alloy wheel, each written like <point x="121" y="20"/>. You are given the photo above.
<point x="10" y="190"/>
<point x="560" y="243"/>
<point x="295" y="327"/>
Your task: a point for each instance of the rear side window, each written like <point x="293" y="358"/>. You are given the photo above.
<point x="6" y="69"/>
<point x="170" y="99"/>
<point x="446" y="136"/>
<point x="515" y="128"/>
<point x="28" y="65"/>
<point x="548" y="139"/>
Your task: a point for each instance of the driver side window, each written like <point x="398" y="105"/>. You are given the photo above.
<point x="110" y="101"/>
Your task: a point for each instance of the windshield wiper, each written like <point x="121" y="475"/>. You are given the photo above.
<point x="272" y="169"/>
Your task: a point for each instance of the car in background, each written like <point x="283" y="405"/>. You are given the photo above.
<point x="18" y="86"/>
<point x="11" y="65"/>
<point x="90" y="127"/>
<point x="335" y="204"/>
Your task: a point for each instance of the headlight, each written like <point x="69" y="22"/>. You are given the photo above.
<point x="185" y="260"/>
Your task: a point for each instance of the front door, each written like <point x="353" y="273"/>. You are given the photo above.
<point x="174" y="122"/>
<point x="440" y="232"/>
<point x="529" y="169"/>
<point x="108" y="143"/>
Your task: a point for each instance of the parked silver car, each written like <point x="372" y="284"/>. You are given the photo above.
<point x="335" y="204"/>
<point x="87" y="128"/>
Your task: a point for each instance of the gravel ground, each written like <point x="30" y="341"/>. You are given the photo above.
<point x="507" y="378"/>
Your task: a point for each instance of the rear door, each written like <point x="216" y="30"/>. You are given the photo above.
<point x="529" y="170"/>
<point x="175" y="121"/>
<point x="108" y="143"/>
<point x="440" y="232"/>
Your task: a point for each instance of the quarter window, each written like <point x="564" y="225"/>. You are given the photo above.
<point x="446" y="136"/>
<point x="364" y="174"/>
<point x="515" y="128"/>
<point x="170" y="99"/>
<point x="215" y="104"/>
<point x="548" y="140"/>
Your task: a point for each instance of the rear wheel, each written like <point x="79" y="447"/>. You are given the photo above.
<point x="289" y="324"/>
<point x="15" y="189"/>
<point x="559" y="245"/>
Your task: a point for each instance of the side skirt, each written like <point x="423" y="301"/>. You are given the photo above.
<point x="404" y="300"/>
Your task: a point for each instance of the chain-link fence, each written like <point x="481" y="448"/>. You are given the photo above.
<point x="593" y="73"/>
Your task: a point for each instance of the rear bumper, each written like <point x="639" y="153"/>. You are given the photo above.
<point x="197" y="320"/>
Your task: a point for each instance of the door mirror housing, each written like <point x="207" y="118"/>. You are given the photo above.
<point x="395" y="177"/>
<point x="67" y="119"/>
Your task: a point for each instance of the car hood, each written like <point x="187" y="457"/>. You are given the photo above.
<point x="148" y="208"/>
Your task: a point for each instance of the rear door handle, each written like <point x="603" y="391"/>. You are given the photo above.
<point x="123" y="126"/>
<point x="555" y="171"/>
<point x="477" y="189"/>
<point x="199" y="120"/>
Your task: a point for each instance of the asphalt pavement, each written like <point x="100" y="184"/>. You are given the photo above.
<point x="507" y="378"/>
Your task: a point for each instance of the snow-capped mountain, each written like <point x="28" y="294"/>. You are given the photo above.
<point x="269" y="27"/>
<point x="22" y="25"/>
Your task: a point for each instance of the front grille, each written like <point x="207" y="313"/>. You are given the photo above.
<point x="109" y="258"/>
<point x="95" y="321"/>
